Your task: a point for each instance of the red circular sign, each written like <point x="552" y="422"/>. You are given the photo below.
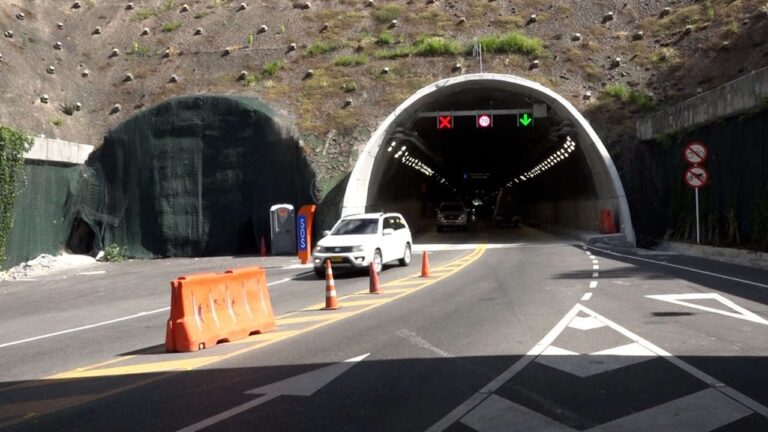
<point x="483" y="121"/>
<point x="696" y="177"/>
<point x="695" y="153"/>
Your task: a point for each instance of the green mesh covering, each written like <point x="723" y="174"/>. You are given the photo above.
<point x="43" y="211"/>
<point x="193" y="176"/>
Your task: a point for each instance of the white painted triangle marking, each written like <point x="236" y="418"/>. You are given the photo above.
<point x="634" y="349"/>
<point x="679" y="300"/>
<point x="585" y="323"/>
<point x="555" y="351"/>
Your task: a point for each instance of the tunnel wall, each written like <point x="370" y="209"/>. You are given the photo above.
<point x="608" y="185"/>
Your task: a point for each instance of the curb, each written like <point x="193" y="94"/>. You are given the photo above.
<point x="743" y="257"/>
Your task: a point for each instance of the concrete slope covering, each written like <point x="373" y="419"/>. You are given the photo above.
<point x="193" y="176"/>
<point x="465" y="161"/>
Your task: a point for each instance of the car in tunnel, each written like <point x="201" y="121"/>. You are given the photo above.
<point x="356" y="241"/>
<point x="452" y="215"/>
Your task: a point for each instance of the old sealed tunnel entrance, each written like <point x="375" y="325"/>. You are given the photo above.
<point x="193" y="176"/>
<point x="512" y="144"/>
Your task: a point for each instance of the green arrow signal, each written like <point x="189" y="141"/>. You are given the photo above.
<point x="525" y="120"/>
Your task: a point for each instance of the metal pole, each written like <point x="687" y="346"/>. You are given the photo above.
<point x="698" y="233"/>
<point x="480" y="49"/>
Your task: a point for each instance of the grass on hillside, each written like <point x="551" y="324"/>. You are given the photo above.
<point x="435" y="46"/>
<point x="170" y="26"/>
<point x="140" y="50"/>
<point x="635" y="99"/>
<point x="351" y="60"/>
<point x="511" y="43"/>
<point x="387" y="12"/>
<point x="271" y="69"/>
<point x="321" y="47"/>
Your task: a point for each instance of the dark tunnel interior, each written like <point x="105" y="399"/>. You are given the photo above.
<point x="518" y="166"/>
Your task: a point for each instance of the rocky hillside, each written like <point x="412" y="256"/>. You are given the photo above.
<point x="74" y="69"/>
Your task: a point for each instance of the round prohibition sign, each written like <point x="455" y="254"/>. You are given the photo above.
<point x="695" y="153"/>
<point x="696" y="177"/>
<point x="484" y="121"/>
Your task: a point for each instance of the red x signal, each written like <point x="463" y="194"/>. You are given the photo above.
<point x="445" y="122"/>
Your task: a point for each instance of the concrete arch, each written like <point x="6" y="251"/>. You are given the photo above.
<point x="610" y="192"/>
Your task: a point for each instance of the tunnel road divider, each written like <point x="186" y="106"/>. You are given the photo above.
<point x="209" y="308"/>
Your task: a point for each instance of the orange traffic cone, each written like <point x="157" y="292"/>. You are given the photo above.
<point x="263" y="248"/>
<point x="331" y="302"/>
<point x="375" y="288"/>
<point x="424" y="264"/>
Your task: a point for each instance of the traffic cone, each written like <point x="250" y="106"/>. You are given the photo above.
<point x="424" y="264"/>
<point x="263" y="248"/>
<point x="375" y="288"/>
<point x="331" y="302"/>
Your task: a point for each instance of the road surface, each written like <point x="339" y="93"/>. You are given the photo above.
<point x="516" y="330"/>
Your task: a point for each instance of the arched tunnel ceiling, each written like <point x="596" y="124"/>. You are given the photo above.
<point x="476" y="160"/>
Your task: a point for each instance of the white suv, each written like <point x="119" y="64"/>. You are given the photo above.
<point x="356" y="241"/>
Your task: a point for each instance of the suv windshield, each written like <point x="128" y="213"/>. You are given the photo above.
<point x="357" y="226"/>
<point x="451" y="208"/>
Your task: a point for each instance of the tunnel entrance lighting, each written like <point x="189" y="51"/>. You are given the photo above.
<point x="506" y="134"/>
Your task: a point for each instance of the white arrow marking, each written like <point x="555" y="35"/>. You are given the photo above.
<point x="742" y="313"/>
<point x="301" y="385"/>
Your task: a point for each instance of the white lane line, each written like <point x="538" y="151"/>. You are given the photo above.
<point x="89" y="273"/>
<point x="499" y="414"/>
<point x="593" y="285"/>
<point x="744" y="281"/>
<point x="418" y="341"/>
<point x="461" y="410"/>
<point x="125" y="318"/>
<point x="289" y="278"/>
<point x="86" y="327"/>
<point x="595" y="267"/>
<point x="586" y="296"/>
<point x="594" y="261"/>
<point x="595" y="274"/>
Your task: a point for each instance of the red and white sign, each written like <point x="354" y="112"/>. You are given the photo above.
<point x="445" y="122"/>
<point x="695" y="153"/>
<point x="484" y="121"/>
<point x="696" y="177"/>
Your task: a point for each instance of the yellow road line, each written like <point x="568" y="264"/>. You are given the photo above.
<point x="301" y="319"/>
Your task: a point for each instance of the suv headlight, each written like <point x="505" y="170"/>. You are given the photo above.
<point x="358" y="249"/>
<point x="463" y="217"/>
<point x="319" y="249"/>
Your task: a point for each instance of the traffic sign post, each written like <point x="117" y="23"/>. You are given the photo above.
<point x="695" y="176"/>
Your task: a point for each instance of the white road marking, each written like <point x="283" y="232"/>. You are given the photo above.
<point x="103" y="323"/>
<point x="585" y="323"/>
<point x="594" y="261"/>
<point x="744" y="281"/>
<point x="703" y="411"/>
<point x="461" y="410"/>
<point x="593" y="284"/>
<point x="86" y="327"/>
<point x="742" y="313"/>
<point x="499" y="414"/>
<point x="416" y="340"/>
<point x="476" y="399"/>
<point x="585" y="365"/>
<point x="92" y="273"/>
<point x="595" y="267"/>
<point x="592" y="256"/>
<point x="595" y="274"/>
<point x="586" y="296"/>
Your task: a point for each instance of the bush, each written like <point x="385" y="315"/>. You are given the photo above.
<point x="351" y="60"/>
<point x="114" y="253"/>
<point x="321" y="47"/>
<point x="385" y="38"/>
<point x="271" y="69"/>
<point x="387" y="13"/>
<point x="349" y="87"/>
<point x="510" y="43"/>
<point x="634" y="98"/>
<point x="13" y="144"/>
<point x="393" y="53"/>
<point x="57" y="122"/>
<point x="170" y="26"/>
<point x="250" y="80"/>
<point x="435" y="46"/>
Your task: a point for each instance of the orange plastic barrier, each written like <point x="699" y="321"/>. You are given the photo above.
<point x="210" y="308"/>
<point x="607" y="225"/>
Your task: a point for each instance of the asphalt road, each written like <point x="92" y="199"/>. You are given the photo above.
<point x="515" y="330"/>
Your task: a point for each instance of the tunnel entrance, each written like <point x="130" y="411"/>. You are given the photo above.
<point x="502" y="145"/>
<point x="192" y="176"/>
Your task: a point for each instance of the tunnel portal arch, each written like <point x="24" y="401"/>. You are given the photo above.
<point x="610" y="194"/>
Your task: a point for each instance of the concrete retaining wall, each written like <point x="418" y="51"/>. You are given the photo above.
<point x="741" y="95"/>
<point x="56" y="150"/>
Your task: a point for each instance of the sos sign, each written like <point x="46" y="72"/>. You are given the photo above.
<point x="301" y="231"/>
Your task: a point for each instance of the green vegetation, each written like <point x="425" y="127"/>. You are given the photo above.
<point x="351" y="60"/>
<point x="140" y="50"/>
<point x="385" y="38"/>
<point x="201" y="15"/>
<point x="57" y="122"/>
<point x="511" y="43"/>
<point x="271" y="69"/>
<point x="115" y="253"/>
<point x="321" y="47"/>
<point x="170" y="26"/>
<point x="387" y="12"/>
<point x="634" y="98"/>
<point x="250" y="80"/>
<point x="13" y="144"/>
<point x="143" y="14"/>
<point x="393" y="53"/>
<point x="146" y="13"/>
<point x="249" y="40"/>
<point x="349" y="86"/>
<point x="435" y="46"/>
